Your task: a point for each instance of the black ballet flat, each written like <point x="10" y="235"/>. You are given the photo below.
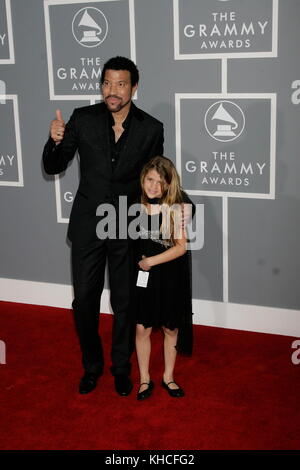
<point x="145" y="393"/>
<point x="176" y="392"/>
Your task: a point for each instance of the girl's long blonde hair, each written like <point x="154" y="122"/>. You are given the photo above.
<point x="171" y="199"/>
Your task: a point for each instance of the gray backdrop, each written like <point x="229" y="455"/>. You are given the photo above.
<point x="237" y="64"/>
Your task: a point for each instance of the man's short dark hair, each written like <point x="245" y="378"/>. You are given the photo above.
<point x="121" y="63"/>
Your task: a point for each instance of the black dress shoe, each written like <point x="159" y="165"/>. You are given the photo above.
<point x="173" y="392"/>
<point x="123" y="384"/>
<point x="145" y="393"/>
<point x="88" y="382"/>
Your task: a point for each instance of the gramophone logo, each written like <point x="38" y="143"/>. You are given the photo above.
<point x="226" y="143"/>
<point x="224" y="121"/>
<point x="89" y="27"/>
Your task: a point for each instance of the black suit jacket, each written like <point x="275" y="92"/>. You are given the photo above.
<point x="87" y="131"/>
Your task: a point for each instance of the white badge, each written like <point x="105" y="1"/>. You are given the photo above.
<point x="142" y="279"/>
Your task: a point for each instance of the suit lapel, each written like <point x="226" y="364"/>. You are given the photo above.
<point x="100" y="128"/>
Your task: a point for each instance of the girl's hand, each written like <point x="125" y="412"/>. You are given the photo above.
<point x="144" y="264"/>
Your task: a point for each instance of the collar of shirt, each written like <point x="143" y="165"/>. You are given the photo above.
<point x="125" y="123"/>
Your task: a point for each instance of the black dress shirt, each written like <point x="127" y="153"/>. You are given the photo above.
<point x="116" y="147"/>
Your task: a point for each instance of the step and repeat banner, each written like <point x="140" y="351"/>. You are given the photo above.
<point x="224" y="77"/>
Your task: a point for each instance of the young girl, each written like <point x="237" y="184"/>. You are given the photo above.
<point x="162" y="294"/>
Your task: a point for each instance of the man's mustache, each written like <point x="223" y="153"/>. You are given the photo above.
<point x="113" y="96"/>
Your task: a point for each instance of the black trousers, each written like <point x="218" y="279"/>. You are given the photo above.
<point x="88" y="266"/>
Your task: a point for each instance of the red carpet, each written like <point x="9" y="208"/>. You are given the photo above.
<point x="242" y="391"/>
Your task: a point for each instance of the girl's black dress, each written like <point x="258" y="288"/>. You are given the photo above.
<point x="167" y="300"/>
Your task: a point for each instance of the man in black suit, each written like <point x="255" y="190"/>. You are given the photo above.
<point x="114" y="140"/>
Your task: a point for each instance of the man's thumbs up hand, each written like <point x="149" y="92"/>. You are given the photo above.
<point x="57" y="128"/>
<point x="58" y="115"/>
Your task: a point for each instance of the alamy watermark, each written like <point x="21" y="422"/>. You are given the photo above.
<point x="2" y="92"/>
<point x="296" y="354"/>
<point x="2" y="352"/>
<point x="122" y="221"/>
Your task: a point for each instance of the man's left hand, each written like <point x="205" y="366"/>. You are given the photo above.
<point x="186" y="210"/>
